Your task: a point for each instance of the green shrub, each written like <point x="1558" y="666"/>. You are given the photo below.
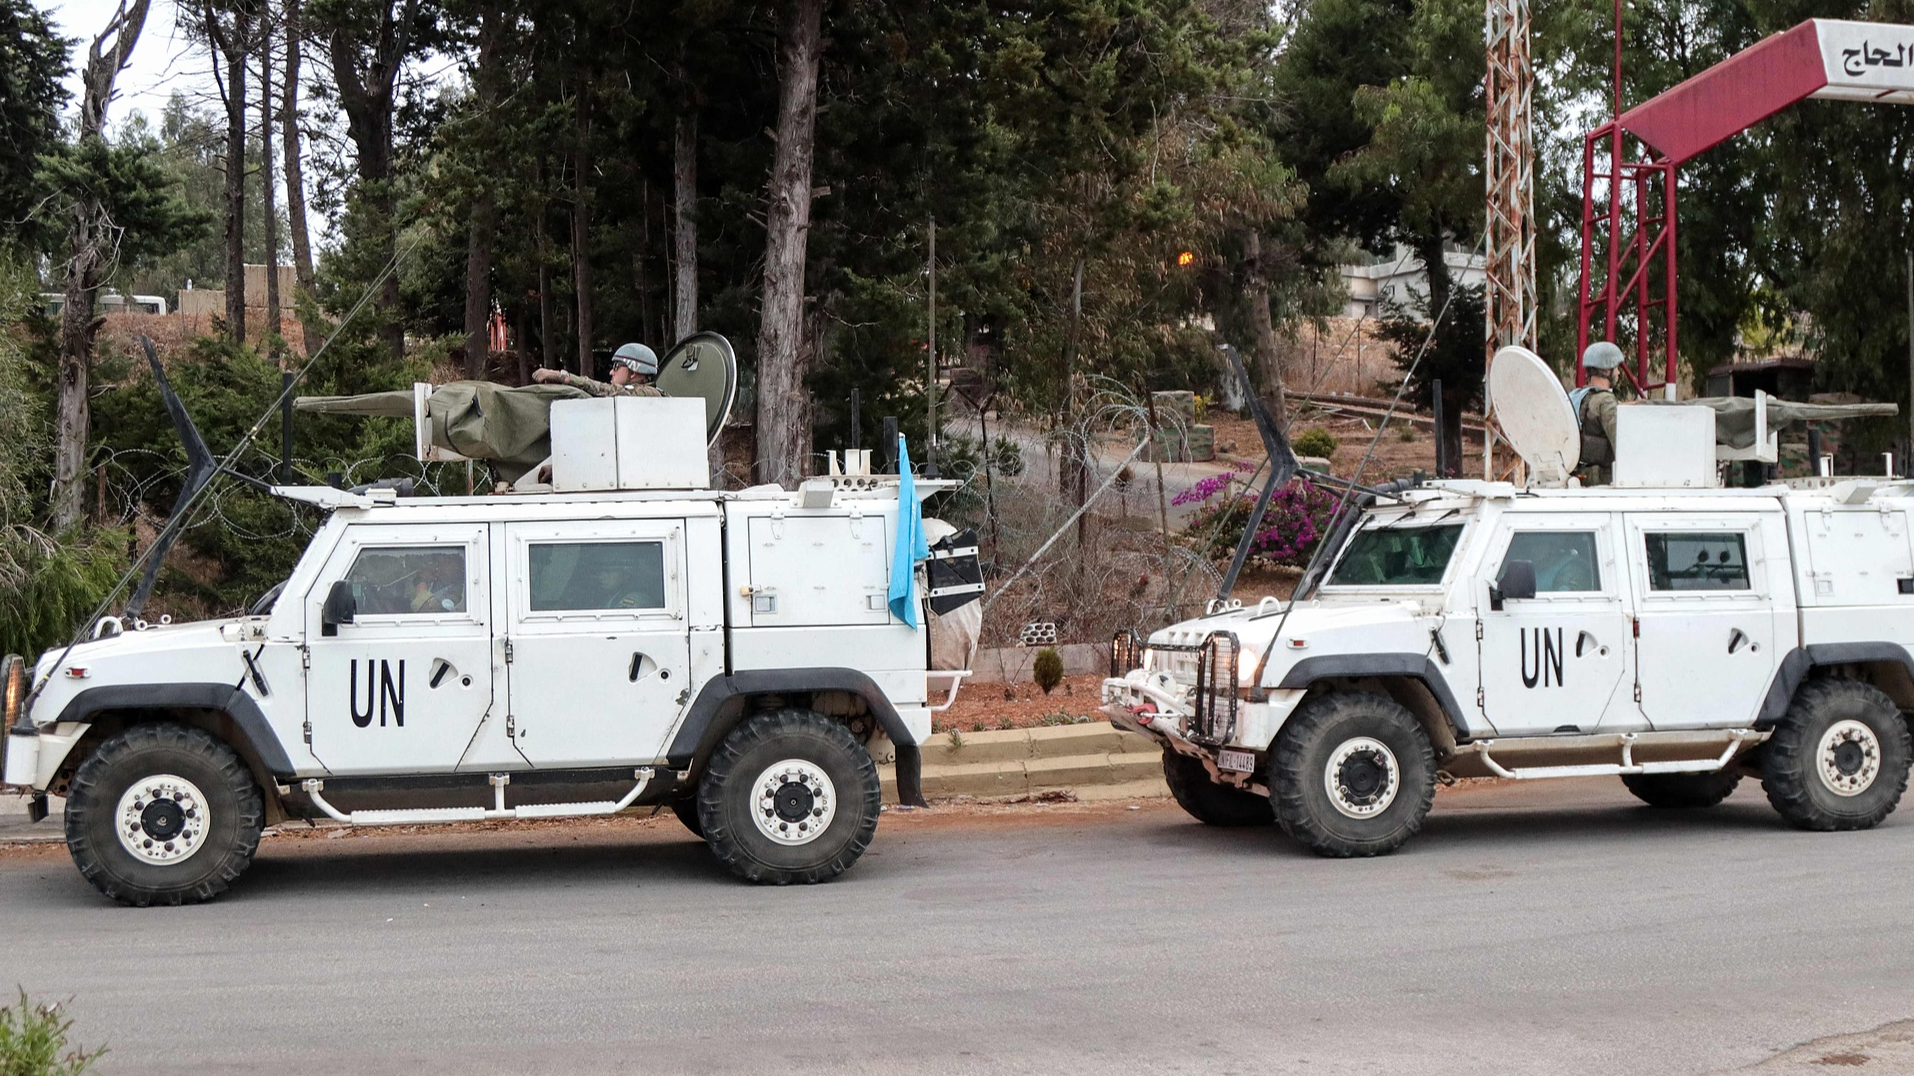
<point x="1315" y="441"/>
<point x="49" y="586"/>
<point x="33" y="1042"/>
<point x="1047" y="669"/>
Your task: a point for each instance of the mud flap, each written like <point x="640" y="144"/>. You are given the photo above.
<point x="910" y="776"/>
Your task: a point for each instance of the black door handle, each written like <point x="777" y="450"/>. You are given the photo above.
<point x="1584" y="639"/>
<point x="1736" y="640"/>
<point x="636" y="660"/>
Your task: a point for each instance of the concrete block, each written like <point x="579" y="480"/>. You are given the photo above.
<point x="995" y="746"/>
<point x="1011" y="664"/>
<point x="977" y="779"/>
<point x="1153" y="788"/>
<point x="1130" y="767"/>
<point x="1061" y="741"/>
<point x="1072" y="772"/>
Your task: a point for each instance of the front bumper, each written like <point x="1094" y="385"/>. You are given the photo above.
<point x="1156" y="705"/>
<point x="1152" y="704"/>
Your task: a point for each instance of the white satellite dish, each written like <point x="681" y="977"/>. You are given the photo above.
<point x="1528" y="403"/>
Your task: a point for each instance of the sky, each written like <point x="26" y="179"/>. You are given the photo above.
<point x="163" y="61"/>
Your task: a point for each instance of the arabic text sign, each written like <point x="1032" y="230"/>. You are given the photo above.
<point x="1867" y="61"/>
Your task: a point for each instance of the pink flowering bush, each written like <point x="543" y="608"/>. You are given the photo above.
<point x="1297" y="516"/>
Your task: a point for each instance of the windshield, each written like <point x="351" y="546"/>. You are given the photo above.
<point x="1396" y="557"/>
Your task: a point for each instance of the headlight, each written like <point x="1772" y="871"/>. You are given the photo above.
<point x="14" y="670"/>
<point x="1246" y="662"/>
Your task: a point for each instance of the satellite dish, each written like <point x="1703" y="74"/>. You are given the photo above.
<point x="702" y="365"/>
<point x="1528" y="403"/>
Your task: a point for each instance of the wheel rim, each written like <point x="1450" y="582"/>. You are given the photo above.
<point x="794" y="802"/>
<point x="162" y="819"/>
<point x="1850" y="758"/>
<point x="1362" y="777"/>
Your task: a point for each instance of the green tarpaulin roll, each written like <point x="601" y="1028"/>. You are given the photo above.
<point x="1735" y="415"/>
<point x="509" y="427"/>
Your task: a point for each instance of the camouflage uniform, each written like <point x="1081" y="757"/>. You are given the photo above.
<point x="1597" y="421"/>
<point x="605" y="388"/>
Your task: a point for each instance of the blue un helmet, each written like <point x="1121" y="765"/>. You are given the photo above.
<point x="1601" y="355"/>
<point x="640" y="359"/>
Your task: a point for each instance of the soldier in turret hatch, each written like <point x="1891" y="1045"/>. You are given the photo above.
<point x="1594" y="405"/>
<point x="633" y="367"/>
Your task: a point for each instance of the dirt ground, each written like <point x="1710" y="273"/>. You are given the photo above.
<point x="984" y="706"/>
<point x="1236" y="439"/>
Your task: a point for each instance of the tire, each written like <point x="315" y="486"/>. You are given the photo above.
<point x="127" y="855"/>
<point x="687" y="811"/>
<point x="1682" y="790"/>
<point x="813" y="774"/>
<point x="1208" y="802"/>
<point x="1838" y="758"/>
<point x="1377" y="757"/>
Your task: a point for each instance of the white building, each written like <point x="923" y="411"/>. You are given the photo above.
<point x="1397" y="279"/>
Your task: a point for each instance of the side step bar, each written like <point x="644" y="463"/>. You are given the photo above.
<point x="1731" y="740"/>
<point x="420" y="816"/>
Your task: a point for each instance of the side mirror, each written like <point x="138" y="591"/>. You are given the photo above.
<point x="341" y="607"/>
<point x="1518" y="582"/>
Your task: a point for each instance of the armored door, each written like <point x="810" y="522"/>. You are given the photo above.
<point x="600" y="652"/>
<point x="1556" y="662"/>
<point x="1706" y="649"/>
<point x="404" y="685"/>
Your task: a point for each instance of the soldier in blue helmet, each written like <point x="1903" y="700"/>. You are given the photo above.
<point x="633" y="366"/>
<point x="1595" y="413"/>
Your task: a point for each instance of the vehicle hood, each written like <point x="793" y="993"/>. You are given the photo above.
<point x="1311" y="629"/>
<point x="201" y="652"/>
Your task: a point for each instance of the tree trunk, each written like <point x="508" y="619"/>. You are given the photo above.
<point x="581" y="234"/>
<point x="267" y="204"/>
<point x="1429" y="253"/>
<point x="366" y="76"/>
<point x="1269" y="366"/>
<point x="483" y="226"/>
<point x="85" y="268"/>
<point x="295" y="178"/>
<point x="542" y="252"/>
<point x="684" y="233"/>
<point x="232" y="42"/>
<point x="784" y="411"/>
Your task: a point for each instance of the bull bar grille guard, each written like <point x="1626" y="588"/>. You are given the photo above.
<point x="1213" y="718"/>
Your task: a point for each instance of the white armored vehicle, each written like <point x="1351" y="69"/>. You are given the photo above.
<point x="624" y="637"/>
<point x="1676" y="634"/>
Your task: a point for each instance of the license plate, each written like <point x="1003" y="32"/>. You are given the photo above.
<point x="1236" y="761"/>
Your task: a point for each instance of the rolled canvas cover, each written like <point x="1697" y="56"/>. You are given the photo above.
<point x="509" y="427"/>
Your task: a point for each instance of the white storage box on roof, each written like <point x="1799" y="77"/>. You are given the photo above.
<point x="1665" y="448"/>
<point x="629" y="442"/>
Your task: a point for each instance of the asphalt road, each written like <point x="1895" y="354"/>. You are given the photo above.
<point x="1531" y="929"/>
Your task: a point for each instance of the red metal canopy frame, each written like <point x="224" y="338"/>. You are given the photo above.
<point x="1634" y="230"/>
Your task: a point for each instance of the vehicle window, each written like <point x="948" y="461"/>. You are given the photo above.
<point x="1564" y="560"/>
<point x="1396" y="556"/>
<point x="1712" y="561"/>
<point x="588" y="576"/>
<point x="409" y="579"/>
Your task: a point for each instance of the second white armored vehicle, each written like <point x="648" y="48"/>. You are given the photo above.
<point x="1677" y="635"/>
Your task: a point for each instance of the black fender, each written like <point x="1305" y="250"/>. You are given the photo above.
<point x="1798" y="662"/>
<point x="223" y="698"/>
<point x="711" y="717"/>
<point x="1413" y="666"/>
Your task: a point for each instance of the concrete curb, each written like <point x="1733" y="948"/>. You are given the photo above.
<point x="1094" y="761"/>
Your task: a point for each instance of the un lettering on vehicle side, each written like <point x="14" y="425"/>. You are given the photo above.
<point x="1541" y="656"/>
<point x="385" y="694"/>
